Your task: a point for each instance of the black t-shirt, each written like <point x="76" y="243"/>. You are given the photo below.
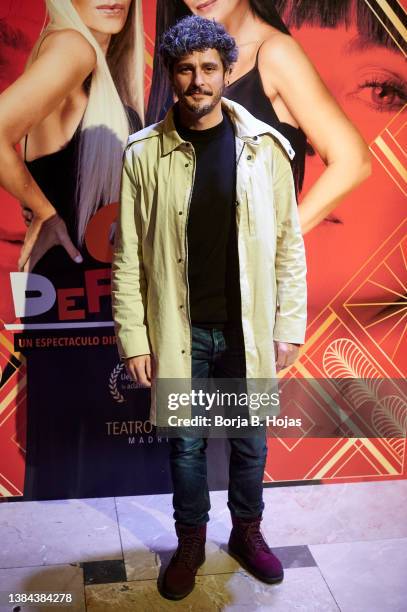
<point x="213" y="263"/>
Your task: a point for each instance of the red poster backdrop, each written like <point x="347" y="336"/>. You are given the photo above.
<point x="356" y="266"/>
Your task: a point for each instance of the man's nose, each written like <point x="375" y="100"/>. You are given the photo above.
<point x="198" y="78"/>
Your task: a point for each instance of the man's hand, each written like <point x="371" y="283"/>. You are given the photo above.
<point x="139" y="369"/>
<point x="286" y="354"/>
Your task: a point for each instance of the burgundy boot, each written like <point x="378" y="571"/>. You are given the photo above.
<point x="248" y="546"/>
<point x="179" y="577"/>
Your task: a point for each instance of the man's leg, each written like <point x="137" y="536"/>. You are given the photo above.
<point x="191" y="495"/>
<point x="248" y="455"/>
<point x="246" y="470"/>
<point x="187" y="456"/>
<point x="188" y="470"/>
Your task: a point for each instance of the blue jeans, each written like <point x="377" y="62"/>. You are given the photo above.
<point x="218" y="354"/>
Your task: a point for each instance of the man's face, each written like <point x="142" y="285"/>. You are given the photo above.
<point x="198" y="80"/>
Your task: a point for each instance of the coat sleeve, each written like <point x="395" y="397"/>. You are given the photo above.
<point x="129" y="287"/>
<point x="291" y="315"/>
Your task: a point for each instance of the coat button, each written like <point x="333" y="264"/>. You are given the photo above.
<point x="183" y="352"/>
<point x="249" y="157"/>
<point x="186" y="165"/>
<point x="180" y="212"/>
<point x="182" y="306"/>
<point x="179" y="260"/>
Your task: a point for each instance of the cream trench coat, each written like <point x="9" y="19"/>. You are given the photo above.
<point x="150" y="264"/>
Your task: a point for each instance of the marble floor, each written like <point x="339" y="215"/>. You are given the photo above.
<point x="343" y="547"/>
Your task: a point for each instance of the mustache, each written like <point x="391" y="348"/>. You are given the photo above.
<point x="194" y="90"/>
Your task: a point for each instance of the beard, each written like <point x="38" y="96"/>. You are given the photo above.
<point x="202" y="108"/>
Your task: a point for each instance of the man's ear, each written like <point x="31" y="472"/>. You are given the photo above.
<point x="228" y="73"/>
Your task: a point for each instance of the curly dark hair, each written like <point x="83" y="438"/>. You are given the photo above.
<point x="195" y="33"/>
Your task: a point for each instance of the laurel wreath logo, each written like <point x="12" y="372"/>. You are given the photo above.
<point x="115" y="393"/>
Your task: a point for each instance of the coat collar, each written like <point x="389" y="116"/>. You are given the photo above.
<point x="247" y="128"/>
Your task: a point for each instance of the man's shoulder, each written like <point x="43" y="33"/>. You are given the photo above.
<point x="248" y="127"/>
<point x="144" y="137"/>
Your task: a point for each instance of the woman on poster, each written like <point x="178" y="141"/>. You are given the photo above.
<point x="277" y="83"/>
<point x="74" y="114"/>
<point x="360" y="58"/>
<point x="72" y="110"/>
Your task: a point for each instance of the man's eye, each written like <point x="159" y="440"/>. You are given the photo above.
<point x="384" y="95"/>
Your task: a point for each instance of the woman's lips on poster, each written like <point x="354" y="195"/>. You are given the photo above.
<point x="111" y="10"/>
<point x="203" y="6"/>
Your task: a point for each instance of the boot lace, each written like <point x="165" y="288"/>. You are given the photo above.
<point x="188" y="549"/>
<point x="254" y="538"/>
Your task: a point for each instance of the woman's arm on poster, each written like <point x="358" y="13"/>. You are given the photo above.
<point x="287" y="72"/>
<point x="36" y="94"/>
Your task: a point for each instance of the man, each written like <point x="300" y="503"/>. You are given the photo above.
<point x="208" y="242"/>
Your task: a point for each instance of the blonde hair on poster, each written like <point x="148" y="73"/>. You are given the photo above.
<point x="117" y="80"/>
